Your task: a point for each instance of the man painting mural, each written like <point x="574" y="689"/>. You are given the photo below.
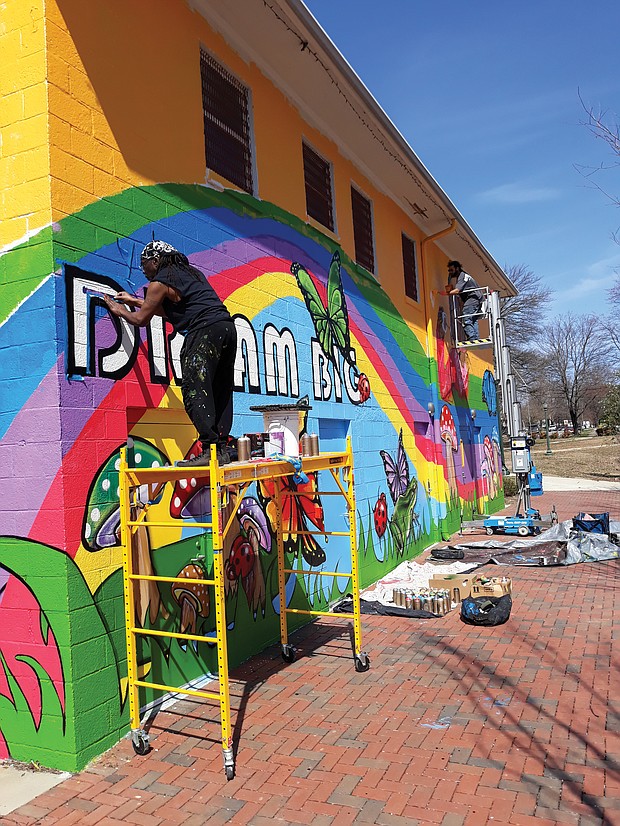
<point x="181" y="294"/>
<point x="470" y="294"/>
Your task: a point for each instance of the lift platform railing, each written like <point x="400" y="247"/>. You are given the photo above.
<point x="457" y="318"/>
<point x="223" y="480"/>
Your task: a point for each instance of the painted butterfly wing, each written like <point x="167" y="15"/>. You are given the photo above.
<point x="331" y="323"/>
<point x="297" y="512"/>
<point x="316" y="308"/>
<point x="396" y="473"/>
<point x="337" y="308"/>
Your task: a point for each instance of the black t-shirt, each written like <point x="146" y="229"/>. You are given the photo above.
<point x="199" y="306"/>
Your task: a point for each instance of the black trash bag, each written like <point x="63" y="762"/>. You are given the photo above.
<point x="486" y="610"/>
<point x="448" y="553"/>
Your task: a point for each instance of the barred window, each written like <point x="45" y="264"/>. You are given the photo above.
<point x="409" y="268"/>
<point x="318" y="181"/>
<point x="226" y="112"/>
<point x="362" y="230"/>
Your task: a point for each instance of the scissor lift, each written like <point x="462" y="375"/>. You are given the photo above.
<point x="223" y="479"/>
<point x="456" y="317"/>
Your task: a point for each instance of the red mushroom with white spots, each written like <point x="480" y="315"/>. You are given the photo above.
<point x="448" y="435"/>
<point x="191" y="496"/>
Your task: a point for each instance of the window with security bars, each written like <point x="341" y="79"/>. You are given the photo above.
<point x="318" y="181"/>
<point x="226" y="112"/>
<point x="362" y="230"/>
<point x="409" y="268"/>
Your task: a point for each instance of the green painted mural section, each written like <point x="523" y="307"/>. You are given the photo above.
<point x="92" y="720"/>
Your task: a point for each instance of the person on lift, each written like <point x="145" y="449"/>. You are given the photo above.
<point x="470" y="294"/>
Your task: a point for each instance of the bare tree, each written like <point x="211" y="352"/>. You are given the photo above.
<point x="606" y="127"/>
<point x="577" y="361"/>
<point x="525" y="316"/>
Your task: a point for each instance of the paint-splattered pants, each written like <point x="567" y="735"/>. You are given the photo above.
<point x="207" y="362"/>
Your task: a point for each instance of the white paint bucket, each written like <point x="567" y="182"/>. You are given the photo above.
<point x="283" y="428"/>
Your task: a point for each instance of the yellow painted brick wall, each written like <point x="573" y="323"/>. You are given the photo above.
<point x="126" y="110"/>
<point x="24" y="158"/>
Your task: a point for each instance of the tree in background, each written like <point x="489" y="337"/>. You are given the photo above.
<point x="609" y="409"/>
<point x="605" y="127"/>
<point x="525" y="316"/>
<point x="577" y="362"/>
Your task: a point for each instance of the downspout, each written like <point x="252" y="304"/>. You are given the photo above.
<point x="438" y="483"/>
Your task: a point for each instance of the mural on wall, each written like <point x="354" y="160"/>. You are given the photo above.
<point x="308" y="321"/>
<point x="452" y="367"/>
<point x="489" y="392"/>
<point x="403" y="492"/>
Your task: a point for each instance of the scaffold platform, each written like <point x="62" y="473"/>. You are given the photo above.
<point x="224" y="481"/>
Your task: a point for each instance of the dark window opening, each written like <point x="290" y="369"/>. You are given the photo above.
<point x="225" y="105"/>
<point x="362" y="230"/>
<point x="318" y="181"/>
<point x="409" y="268"/>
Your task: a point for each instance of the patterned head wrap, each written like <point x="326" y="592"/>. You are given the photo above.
<point x="156" y="248"/>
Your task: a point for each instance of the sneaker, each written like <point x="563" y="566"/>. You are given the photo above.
<point x="201" y="460"/>
<point x="223" y="455"/>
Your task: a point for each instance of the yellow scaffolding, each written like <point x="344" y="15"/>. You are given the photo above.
<point x="223" y="479"/>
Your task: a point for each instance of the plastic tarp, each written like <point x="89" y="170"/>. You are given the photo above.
<point x="559" y="545"/>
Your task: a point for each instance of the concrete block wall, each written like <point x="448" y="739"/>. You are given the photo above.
<point x="72" y="390"/>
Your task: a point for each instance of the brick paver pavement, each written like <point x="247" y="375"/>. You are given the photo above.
<point x="453" y="725"/>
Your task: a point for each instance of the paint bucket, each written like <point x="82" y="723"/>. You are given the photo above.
<point x="283" y="429"/>
<point x="283" y="423"/>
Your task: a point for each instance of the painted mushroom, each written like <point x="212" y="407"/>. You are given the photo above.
<point x="253" y="521"/>
<point x="192" y="598"/>
<point x="191" y="497"/>
<point x="101" y="525"/>
<point x="448" y="435"/>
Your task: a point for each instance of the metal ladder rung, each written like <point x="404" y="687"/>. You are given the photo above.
<point x="322" y="573"/>
<point x="146" y="578"/>
<point x="151" y="632"/>
<point x="193" y="692"/>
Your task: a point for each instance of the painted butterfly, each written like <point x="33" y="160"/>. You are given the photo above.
<point x="331" y="322"/>
<point x="302" y="511"/>
<point x="396" y="472"/>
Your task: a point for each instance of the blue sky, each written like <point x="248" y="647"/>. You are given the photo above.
<point x="487" y="95"/>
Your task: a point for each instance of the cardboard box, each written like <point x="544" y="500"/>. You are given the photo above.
<point x="495" y="586"/>
<point x="458" y="585"/>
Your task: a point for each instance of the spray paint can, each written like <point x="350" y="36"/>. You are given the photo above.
<point x="314" y="444"/>
<point x="306" y="445"/>
<point x="244" y="449"/>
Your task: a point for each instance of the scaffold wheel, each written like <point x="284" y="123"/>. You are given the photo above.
<point x="362" y="663"/>
<point x="140" y="741"/>
<point x="288" y="653"/>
